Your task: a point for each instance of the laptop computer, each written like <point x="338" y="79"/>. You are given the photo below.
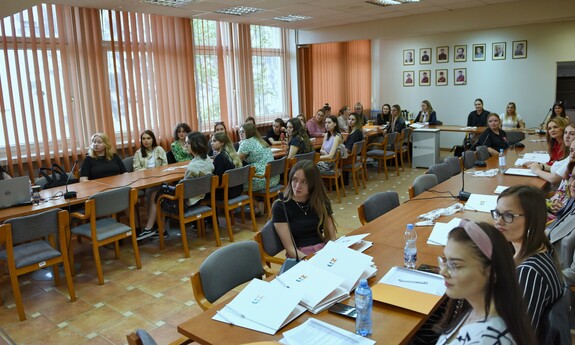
<point x="15" y="191"/>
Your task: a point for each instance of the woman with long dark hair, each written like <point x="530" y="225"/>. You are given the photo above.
<point x="256" y="151"/>
<point x="225" y="158"/>
<point x="179" y="150"/>
<point x="331" y="141"/>
<point x="298" y="140"/>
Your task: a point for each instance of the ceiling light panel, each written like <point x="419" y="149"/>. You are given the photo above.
<point x="292" y="18"/>
<point x="383" y="2"/>
<point x="169" y="3"/>
<point x="239" y="10"/>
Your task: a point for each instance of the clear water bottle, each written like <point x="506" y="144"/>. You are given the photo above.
<point x="363" y="306"/>
<point x="410" y="250"/>
<point x="502" y="161"/>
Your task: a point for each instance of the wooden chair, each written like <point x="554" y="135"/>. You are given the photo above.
<point x="310" y="156"/>
<point x="354" y="165"/>
<point x="185" y="189"/>
<point x="101" y="211"/>
<point x="335" y="175"/>
<point x="129" y="166"/>
<point x="30" y="245"/>
<point x="382" y="154"/>
<point x="397" y="147"/>
<point x="404" y="148"/>
<point x="270" y="244"/>
<point x="275" y="168"/>
<point x="376" y="205"/>
<point x="421" y="184"/>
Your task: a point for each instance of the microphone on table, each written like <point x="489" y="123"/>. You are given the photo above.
<point x="70" y="194"/>
<point x="289" y="262"/>
<point x="463" y="195"/>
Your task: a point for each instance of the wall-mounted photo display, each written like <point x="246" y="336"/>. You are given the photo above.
<point x="498" y="52"/>
<point x="460" y="53"/>
<point x="425" y="56"/>
<point x="460" y="76"/>
<point x="408" y="57"/>
<point x="441" y="77"/>
<point x="479" y="52"/>
<point x="519" y="49"/>
<point x="425" y="77"/>
<point x="442" y="54"/>
<point x="408" y="78"/>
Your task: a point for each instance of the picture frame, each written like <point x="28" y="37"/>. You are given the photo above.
<point x="460" y="53"/>
<point x="408" y="57"/>
<point x="519" y="49"/>
<point x="499" y="51"/>
<point x="442" y="54"/>
<point x="408" y="78"/>
<point x="424" y="56"/>
<point x="478" y="52"/>
<point x="459" y="76"/>
<point x="441" y="77"/>
<point x="424" y="77"/>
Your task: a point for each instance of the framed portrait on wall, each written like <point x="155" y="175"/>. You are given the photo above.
<point x="441" y="77"/>
<point x="460" y="76"/>
<point x="425" y="77"/>
<point x="460" y="53"/>
<point x="408" y="57"/>
<point x="408" y="78"/>
<point x="479" y="52"/>
<point x="425" y="56"/>
<point x="519" y="49"/>
<point x="442" y="54"/>
<point x="498" y="52"/>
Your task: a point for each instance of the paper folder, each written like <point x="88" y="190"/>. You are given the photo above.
<point x="405" y="298"/>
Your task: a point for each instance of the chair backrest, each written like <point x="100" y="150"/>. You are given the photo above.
<point x="128" y="163"/>
<point x="278" y="166"/>
<point x="171" y="158"/>
<point x="379" y="204"/>
<point x="112" y="201"/>
<point x="454" y="164"/>
<point x="229" y="267"/>
<point x="555" y="322"/>
<point x="513" y="137"/>
<point x="391" y="138"/>
<point x="310" y="156"/>
<point x="441" y="170"/>
<point x="238" y="176"/>
<point x="423" y="183"/>
<point x="357" y="148"/>
<point x="271" y="243"/>
<point x="140" y="337"/>
<point x="197" y="186"/>
<point x="34" y="226"/>
<point x="482" y="153"/>
<point x="407" y="135"/>
<point x="439" y="123"/>
<point x="468" y="159"/>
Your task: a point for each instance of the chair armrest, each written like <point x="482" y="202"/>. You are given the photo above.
<point x="375" y="144"/>
<point x="198" y="292"/>
<point x="269" y="272"/>
<point x="166" y="196"/>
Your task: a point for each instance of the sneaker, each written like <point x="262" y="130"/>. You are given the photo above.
<point x="146" y="233"/>
<point x="157" y="234"/>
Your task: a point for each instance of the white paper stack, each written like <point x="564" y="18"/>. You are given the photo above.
<point x="415" y="280"/>
<point x="520" y="172"/>
<point x="262" y="306"/>
<point x="533" y="157"/>
<point x="438" y="236"/>
<point x="318" y="332"/>
<point x="355" y="242"/>
<point x="481" y="202"/>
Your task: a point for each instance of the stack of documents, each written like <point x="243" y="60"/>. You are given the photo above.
<point x="520" y="172"/>
<point x="481" y="202"/>
<point x="318" y="332"/>
<point x="262" y="306"/>
<point x="410" y="289"/>
<point x="438" y="236"/>
<point x="355" y="242"/>
<point x="533" y="157"/>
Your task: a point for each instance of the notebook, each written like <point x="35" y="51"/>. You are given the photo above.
<point x="15" y="191"/>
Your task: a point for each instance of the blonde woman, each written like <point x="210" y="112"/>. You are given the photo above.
<point x="102" y="160"/>
<point x="510" y="118"/>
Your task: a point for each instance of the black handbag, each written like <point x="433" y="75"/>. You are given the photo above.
<point x="55" y="176"/>
<point x="167" y="205"/>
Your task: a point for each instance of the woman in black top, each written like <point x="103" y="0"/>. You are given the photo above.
<point x="275" y="133"/>
<point x="102" y="160"/>
<point x="493" y="137"/>
<point x="385" y="115"/>
<point x="309" y="212"/>
<point x="225" y="158"/>
<point x="397" y="123"/>
<point x="356" y="134"/>
<point x="298" y="139"/>
<point x="478" y="117"/>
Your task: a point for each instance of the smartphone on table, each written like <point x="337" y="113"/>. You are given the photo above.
<point x="343" y="309"/>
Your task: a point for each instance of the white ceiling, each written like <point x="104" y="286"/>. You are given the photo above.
<point x="325" y="13"/>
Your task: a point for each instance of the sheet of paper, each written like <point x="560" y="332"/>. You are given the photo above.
<point x="417" y="125"/>
<point x="276" y="149"/>
<point x="500" y="189"/>
<point x="317" y="332"/>
<point x="415" y="280"/>
<point x="362" y="246"/>
<point x="438" y="236"/>
<point x="481" y="202"/>
<point x="537" y="157"/>
<point x="520" y="172"/>
<point x="235" y="319"/>
<point x="350" y="240"/>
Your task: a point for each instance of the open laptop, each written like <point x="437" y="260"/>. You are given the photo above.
<point x="14" y="192"/>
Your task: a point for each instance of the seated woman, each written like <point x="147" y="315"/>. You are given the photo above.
<point x="274" y="135"/>
<point x="102" y="160"/>
<point x="331" y="141"/>
<point x="225" y="158"/>
<point x="559" y="110"/>
<point x="150" y="155"/>
<point x="219" y="127"/>
<point x="250" y="119"/>
<point x="558" y="199"/>
<point x="255" y="151"/>
<point x="309" y="214"/>
<point x="298" y="141"/>
<point x="385" y="115"/>
<point x="427" y="114"/>
<point x="493" y="137"/>
<point x="510" y="118"/>
<point x="520" y="216"/>
<point x="555" y="145"/>
<point x="4" y="174"/>
<point x="178" y="149"/>
<point x="484" y="305"/>
<point x="356" y="134"/>
<point x="342" y="118"/>
<point x="201" y="164"/>
<point x="315" y="126"/>
<point x="397" y="123"/>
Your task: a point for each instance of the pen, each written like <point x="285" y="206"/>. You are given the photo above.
<point x="412" y="281"/>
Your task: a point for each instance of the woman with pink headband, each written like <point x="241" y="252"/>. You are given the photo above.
<point x="484" y="304"/>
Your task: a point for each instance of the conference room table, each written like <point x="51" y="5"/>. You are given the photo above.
<point x="391" y="325"/>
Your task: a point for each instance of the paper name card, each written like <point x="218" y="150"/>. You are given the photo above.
<point x="438" y="236"/>
<point x="520" y="172"/>
<point x="481" y="203"/>
<point x="350" y="240"/>
<point x="500" y="189"/>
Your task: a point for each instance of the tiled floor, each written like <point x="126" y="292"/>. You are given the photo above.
<point x="157" y="297"/>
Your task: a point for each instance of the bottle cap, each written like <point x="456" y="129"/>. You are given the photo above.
<point x="409" y="226"/>
<point x="363" y="282"/>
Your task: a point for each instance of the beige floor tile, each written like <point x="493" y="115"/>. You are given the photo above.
<point x="25" y="331"/>
<point x="63" y="336"/>
<point x="95" y="319"/>
<point x="71" y="310"/>
<point x="101" y="293"/>
<point x="158" y="283"/>
<point x="158" y="309"/>
<point x="128" y="300"/>
<point x="116" y="333"/>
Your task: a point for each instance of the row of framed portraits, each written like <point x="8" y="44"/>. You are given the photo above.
<point x="441" y="77"/>
<point x="460" y="54"/>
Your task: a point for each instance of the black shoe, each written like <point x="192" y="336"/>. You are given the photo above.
<point x="147" y="233"/>
<point x="157" y="234"/>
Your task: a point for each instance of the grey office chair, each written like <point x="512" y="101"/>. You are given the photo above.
<point x="376" y="205"/>
<point x="421" y="184"/>
<point x="513" y="137"/>
<point x="468" y="159"/>
<point x="441" y="170"/>
<point x="482" y="153"/>
<point x="454" y="164"/>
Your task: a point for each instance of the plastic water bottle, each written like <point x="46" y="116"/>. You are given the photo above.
<point x="363" y="306"/>
<point x="410" y="250"/>
<point x="502" y="161"/>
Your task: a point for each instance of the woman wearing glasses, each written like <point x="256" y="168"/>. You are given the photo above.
<point x="484" y="305"/>
<point x="520" y="216"/>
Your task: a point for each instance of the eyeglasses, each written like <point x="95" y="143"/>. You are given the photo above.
<point x="450" y="266"/>
<point x="508" y="217"/>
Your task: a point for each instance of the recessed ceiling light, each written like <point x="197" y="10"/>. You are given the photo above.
<point x="383" y="2"/>
<point x="169" y="3"/>
<point x="239" y="10"/>
<point x="292" y="18"/>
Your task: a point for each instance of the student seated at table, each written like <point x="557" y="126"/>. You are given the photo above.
<point x="493" y="137"/>
<point x="309" y="212"/>
<point x="555" y="144"/>
<point x="150" y="155"/>
<point x="331" y="141"/>
<point x="485" y="305"/>
<point x="510" y="118"/>
<point x="343" y="117"/>
<point x="385" y="115"/>
<point x="559" y="110"/>
<point x="427" y="114"/>
<point x="102" y="160"/>
<point x="558" y="199"/>
<point x="201" y="164"/>
<point x="178" y="149"/>
<point x="478" y="117"/>
<point x="315" y="125"/>
<point x="358" y="109"/>
<point x="225" y="158"/>
<point x="4" y="174"/>
<point x="250" y="119"/>
<point x="397" y="123"/>
<point x="520" y="215"/>
<point x="355" y="129"/>
<point x="255" y="151"/>
<point x="219" y="127"/>
<point x="273" y="136"/>
<point x="298" y="141"/>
